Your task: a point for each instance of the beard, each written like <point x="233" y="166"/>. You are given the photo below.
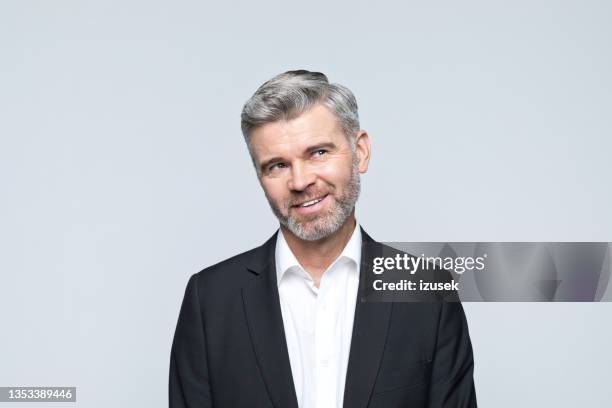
<point x="319" y="226"/>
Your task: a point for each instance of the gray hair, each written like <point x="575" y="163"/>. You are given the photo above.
<point x="288" y="95"/>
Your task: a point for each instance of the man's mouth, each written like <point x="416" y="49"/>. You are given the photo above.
<point x="312" y="204"/>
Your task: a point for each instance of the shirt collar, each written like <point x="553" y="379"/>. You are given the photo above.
<point x="285" y="259"/>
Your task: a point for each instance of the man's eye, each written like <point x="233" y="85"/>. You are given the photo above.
<point x="320" y="152"/>
<point x="276" y="166"/>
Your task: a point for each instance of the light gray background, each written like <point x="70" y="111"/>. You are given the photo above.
<point x="123" y="170"/>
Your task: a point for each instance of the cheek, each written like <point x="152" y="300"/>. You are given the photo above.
<point x="274" y="190"/>
<point x="336" y="175"/>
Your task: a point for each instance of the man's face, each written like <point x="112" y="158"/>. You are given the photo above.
<point x="309" y="171"/>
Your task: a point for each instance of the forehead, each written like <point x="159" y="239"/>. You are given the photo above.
<point x="315" y="126"/>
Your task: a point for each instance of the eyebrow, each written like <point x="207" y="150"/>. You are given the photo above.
<point x="310" y="149"/>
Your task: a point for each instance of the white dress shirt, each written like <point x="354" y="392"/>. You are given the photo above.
<point x="319" y="322"/>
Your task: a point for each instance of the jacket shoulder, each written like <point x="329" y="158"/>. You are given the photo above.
<point x="235" y="267"/>
<point x="229" y="265"/>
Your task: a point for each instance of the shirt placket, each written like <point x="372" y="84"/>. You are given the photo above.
<point x="325" y="320"/>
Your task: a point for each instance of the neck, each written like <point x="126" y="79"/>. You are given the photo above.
<point x="317" y="256"/>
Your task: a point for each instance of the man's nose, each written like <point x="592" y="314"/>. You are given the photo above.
<point x="301" y="177"/>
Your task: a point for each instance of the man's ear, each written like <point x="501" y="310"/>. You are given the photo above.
<point x="363" y="150"/>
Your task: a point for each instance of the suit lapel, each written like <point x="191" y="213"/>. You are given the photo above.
<point x="368" y="340"/>
<point x="264" y="318"/>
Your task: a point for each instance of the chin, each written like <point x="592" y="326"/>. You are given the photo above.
<point x="312" y="232"/>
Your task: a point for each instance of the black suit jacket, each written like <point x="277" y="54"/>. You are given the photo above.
<point x="229" y="347"/>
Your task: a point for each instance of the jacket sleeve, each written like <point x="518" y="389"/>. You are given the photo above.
<point x="453" y="365"/>
<point x="189" y="385"/>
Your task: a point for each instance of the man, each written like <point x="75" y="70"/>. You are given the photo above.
<point x="283" y="325"/>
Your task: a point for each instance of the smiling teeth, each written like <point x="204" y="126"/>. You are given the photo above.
<point x="309" y="203"/>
